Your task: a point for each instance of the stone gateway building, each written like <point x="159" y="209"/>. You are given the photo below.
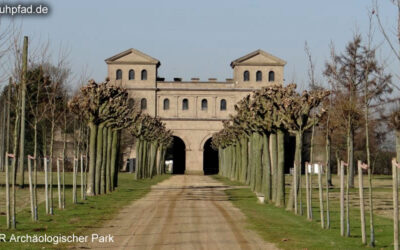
<point x="194" y="109"/>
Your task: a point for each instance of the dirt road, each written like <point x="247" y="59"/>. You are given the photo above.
<point x="183" y="212"/>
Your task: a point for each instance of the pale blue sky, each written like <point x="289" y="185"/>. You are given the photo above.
<point x="201" y="38"/>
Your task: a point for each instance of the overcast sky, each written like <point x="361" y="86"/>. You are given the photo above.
<point x="201" y="38"/>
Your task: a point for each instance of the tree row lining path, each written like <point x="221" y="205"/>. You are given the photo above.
<point x="183" y="212"/>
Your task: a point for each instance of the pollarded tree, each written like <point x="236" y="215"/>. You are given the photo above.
<point x="113" y="111"/>
<point x="88" y="102"/>
<point x="128" y="116"/>
<point x="102" y="106"/>
<point x="243" y="144"/>
<point x="295" y="114"/>
<point x="149" y="133"/>
<point x="274" y="96"/>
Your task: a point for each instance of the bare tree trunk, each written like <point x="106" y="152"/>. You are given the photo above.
<point x="99" y="157"/>
<point x="35" y="149"/>
<point x="321" y="198"/>
<point x="108" y="168"/>
<point x="3" y="135"/>
<point x="362" y="208"/>
<point x="59" y="184"/>
<point x="294" y="187"/>
<point x="337" y="163"/>
<point x="8" y="214"/>
<point x="371" y="205"/>
<point x="266" y="168"/>
<point x="395" y="205"/>
<point x="35" y="161"/>
<point x="104" y="162"/>
<point x="300" y="192"/>
<point x="31" y="187"/>
<point x="281" y="169"/>
<point x="51" y="162"/>
<point x="63" y="184"/>
<point x="347" y="200"/>
<point x="14" y="163"/>
<point x="92" y="160"/>
<point x="310" y="175"/>
<point x="294" y="190"/>
<point x="274" y="164"/>
<point x="341" y="199"/>
<point x="74" y="193"/>
<point x="85" y="179"/>
<point x="46" y="185"/>
<point x="328" y="216"/>
<point x="82" y="180"/>
<point x="64" y="156"/>
<point x="75" y="167"/>
<point x="308" y="192"/>
<point x="350" y="154"/>
<point x="328" y="153"/>
<point x="23" y="104"/>
<point x="8" y="131"/>
<point x="114" y="153"/>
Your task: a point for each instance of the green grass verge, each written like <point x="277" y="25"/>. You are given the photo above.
<point x="82" y="218"/>
<point x="289" y="231"/>
<point x="227" y="181"/>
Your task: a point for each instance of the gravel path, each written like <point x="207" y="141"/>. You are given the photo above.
<point x="183" y="212"/>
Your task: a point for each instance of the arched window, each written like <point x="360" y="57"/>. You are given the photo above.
<point x="131" y="74"/>
<point x="118" y="74"/>
<point x="166" y="104"/>
<point x="204" y="104"/>
<point x="259" y="76"/>
<point x="271" y="76"/>
<point x="222" y="105"/>
<point x="143" y="104"/>
<point x="185" y="104"/>
<point x="131" y="102"/>
<point x="144" y="75"/>
<point x="246" y="76"/>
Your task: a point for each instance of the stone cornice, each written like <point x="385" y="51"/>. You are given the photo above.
<point x="197" y="89"/>
<point x="192" y="119"/>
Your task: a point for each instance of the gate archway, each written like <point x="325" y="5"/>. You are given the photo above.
<point x="177" y="153"/>
<point x="210" y="159"/>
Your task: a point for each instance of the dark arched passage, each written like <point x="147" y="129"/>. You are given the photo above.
<point x="177" y="153"/>
<point x="210" y="159"/>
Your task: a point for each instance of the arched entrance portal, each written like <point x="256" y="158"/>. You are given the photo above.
<point x="210" y="159"/>
<point x="177" y="153"/>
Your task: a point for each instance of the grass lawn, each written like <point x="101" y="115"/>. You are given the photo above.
<point x="82" y="218"/>
<point x="289" y="231"/>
